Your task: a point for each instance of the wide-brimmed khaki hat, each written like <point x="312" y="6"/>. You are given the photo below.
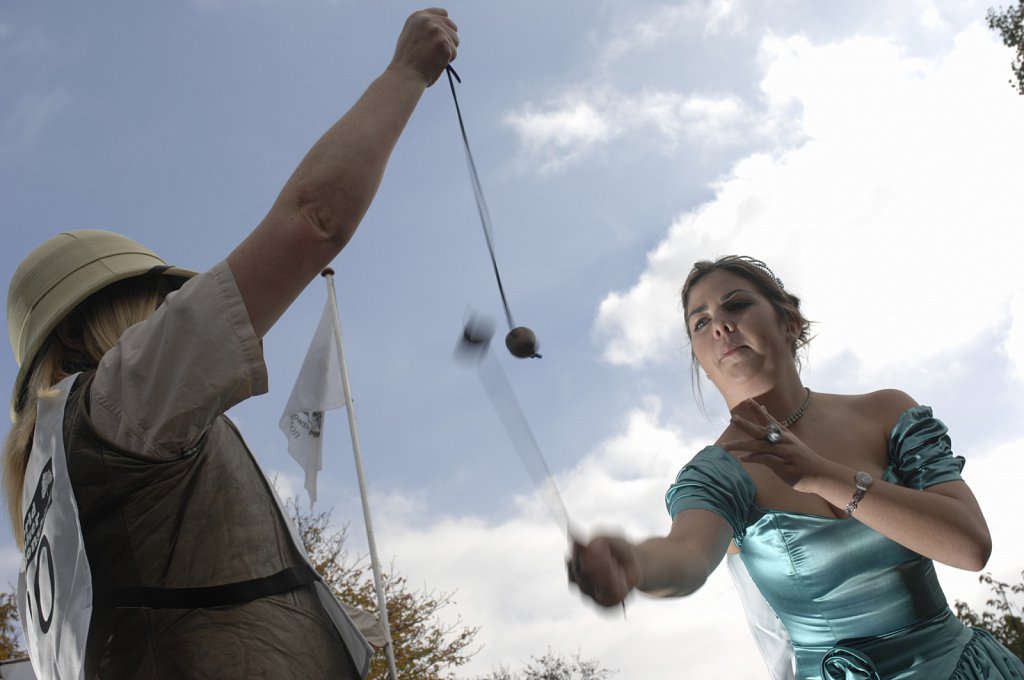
<point x="60" y="274"/>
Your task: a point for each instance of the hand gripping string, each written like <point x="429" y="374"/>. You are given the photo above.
<point x="478" y="193"/>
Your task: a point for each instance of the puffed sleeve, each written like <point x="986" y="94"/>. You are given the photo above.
<point x="920" y="452"/>
<point x="714" y="480"/>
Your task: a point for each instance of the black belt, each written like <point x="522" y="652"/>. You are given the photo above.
<point x="141" y="597"/>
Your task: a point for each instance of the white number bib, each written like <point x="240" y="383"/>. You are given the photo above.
<point x="55" y="583"/>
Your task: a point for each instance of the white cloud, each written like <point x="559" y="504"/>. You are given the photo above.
<point x="633" y="468"/>
<point x="896" y="220"/>
<point x="561" y="135"/>
<point x="569" y="131"/>
<point x="715" y="121"/>
<point x="627" y="319"/>
<point x="930" y="15"/>
<point x="1014" y="344"/>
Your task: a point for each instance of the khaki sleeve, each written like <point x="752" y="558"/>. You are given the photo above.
<point x="159" y="389"/>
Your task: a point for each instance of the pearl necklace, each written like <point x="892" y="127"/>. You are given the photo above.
<point x="799" y="412"/>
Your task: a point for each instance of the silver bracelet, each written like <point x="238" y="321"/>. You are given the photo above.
<point x="863" y="481"/>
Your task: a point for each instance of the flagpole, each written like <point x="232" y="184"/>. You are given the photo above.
<point x="382" y="604"/>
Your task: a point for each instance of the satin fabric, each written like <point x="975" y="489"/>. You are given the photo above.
<point x="856" y="605"/>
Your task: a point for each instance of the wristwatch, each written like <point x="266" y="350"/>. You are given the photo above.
<point x="863" y="481"/>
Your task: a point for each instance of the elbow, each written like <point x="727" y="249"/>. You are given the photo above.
<point x="328" y="215"/>
<point x="983" y="549"/>
<point x="984" y="552"/>
<point x="323" y="223"/>
<point x="973" y="563"/>
<point x="976" y="553"/>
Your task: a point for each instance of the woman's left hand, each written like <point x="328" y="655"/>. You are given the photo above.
<point x="790" y="459"/>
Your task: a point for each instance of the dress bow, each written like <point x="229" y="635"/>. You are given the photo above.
<point x="844" y="663"/>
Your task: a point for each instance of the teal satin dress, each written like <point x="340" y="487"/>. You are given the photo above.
<point x="856" y="605"/>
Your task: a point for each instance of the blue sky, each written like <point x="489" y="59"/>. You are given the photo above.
<point x="868" y="151"/>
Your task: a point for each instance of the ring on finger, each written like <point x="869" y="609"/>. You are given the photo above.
<point x="773" y="434"/>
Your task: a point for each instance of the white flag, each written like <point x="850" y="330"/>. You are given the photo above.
<point x="317" y="389"/>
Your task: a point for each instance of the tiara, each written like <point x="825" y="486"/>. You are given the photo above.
<point x="759" y="264"/>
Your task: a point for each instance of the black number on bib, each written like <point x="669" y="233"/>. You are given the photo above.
<point x="44" y="621"/>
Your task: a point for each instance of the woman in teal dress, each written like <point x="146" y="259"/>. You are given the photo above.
<point x="836" y="504"/>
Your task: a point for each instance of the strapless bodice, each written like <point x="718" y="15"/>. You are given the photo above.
<point x="831" y="579"/>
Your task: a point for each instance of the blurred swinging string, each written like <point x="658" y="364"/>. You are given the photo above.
<point x="514" y="420"/>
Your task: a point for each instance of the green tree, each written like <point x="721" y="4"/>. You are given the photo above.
<point x="10" y="643"/>
<point x="425" y="647"/>
<point x="553" y="666"/>
<point x="1000" y="617"/>
<point x="1009" y="23"/>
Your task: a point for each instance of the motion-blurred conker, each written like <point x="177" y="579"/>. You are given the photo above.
<point x="478" y="330"/>
<point x="476" y="338"/>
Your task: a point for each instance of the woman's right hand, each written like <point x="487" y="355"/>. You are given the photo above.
<point x="607" y="569"/>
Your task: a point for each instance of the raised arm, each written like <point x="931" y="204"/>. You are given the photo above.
<point x="609" y="568"/>
<point x="321" y="205"/>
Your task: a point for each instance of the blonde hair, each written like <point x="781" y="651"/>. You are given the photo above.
<point x="77" y="344"/>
